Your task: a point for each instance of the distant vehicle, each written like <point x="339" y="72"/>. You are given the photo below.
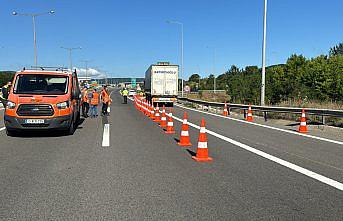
<point x="161" y="83"/>
<point x="132" y="92"/>
<point x="42" y="99"/>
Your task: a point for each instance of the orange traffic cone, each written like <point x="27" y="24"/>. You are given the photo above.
<point x="184" y="138"/>
<point x="225" y="112"/>
<point x="157" y="114"/>
<point x="135" y="98"/>
<point x="141" y="105"/>
<point x="138" y="105"/>
<point x="249" y="117"/>
<point x="170" y="124"/>
<point x="151" y="111"/>
<point x="146" y="108"/>
<point x="202" y="150"/>
<point x="303" y="126"/>
<point x="163" y="122"/>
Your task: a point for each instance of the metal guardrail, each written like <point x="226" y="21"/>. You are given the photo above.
<point x="266" y="109"/>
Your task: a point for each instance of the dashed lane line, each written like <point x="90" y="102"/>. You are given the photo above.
<point x="2" y="128"/>
<point x="306" y="172"/>
<point x="106" y="136"/>
<point x="266" y="126"/>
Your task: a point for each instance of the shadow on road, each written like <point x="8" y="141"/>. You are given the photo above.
<point x="192" y="153"/>
<point x="177" y="140"/>
<point x="308" y="123"/>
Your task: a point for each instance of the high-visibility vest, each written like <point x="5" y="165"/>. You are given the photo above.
<point x="104" y="96"/>
<point x="84" y="96"/>
<point x="95" y="98"/>
<point x="125" y="92"/>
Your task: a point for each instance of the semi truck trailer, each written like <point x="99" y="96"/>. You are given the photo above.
<point x="161" y="83"/>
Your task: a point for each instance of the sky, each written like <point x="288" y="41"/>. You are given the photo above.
<point x="123" y="37"/>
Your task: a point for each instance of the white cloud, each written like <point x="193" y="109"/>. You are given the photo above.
<point x="91" y="72"/>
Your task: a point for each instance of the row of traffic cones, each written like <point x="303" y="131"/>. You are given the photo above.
<point x="166" y="122"/>
<point x="302" y="128"/>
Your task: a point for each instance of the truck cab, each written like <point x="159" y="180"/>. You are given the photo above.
<point x="43" y="99"/>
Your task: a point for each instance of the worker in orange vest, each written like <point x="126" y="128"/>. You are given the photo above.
<point x="94" y="104"/>
<point x="85" y="101"/>
<point x="106" y="100"/>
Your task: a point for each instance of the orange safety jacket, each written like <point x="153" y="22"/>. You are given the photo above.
<point x="95" y="98"/>
<point x="105" y="98"/>
<point x="84" y="96"/>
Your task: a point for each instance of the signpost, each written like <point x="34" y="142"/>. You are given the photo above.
<point x="187" y="89"/>
<point x="133" y="82"/>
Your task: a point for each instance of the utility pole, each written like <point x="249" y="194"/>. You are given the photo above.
<point x="182" y="68"/>
<point x="70" y="55"/>
<point x="263" y="83"/>
<point x="86" y="64"/>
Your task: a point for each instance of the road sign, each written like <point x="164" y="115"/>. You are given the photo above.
<point x="133" y="82"/>
<point x="187" y="88"/>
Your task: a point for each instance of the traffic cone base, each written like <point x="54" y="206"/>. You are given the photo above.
<point x="169" y="132"/>
<point x="184" y="145"/>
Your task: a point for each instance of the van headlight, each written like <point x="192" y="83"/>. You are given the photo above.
<point x="10" y="105"/>
<point x="63" y="105"/>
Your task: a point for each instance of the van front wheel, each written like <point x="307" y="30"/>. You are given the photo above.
<point x="71" y="129"/>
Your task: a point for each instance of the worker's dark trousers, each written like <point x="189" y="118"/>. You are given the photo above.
<point x="125" y="99"/>
<point x="85" y="109"/>
<point x="104" y="108"/>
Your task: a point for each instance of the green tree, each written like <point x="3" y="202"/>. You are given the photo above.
<point x="336" y="50"/>
<point x="194" y="78"/>
<point x="6" y="76"/>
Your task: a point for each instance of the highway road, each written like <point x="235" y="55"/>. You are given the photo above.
<point x="141" y="174"/>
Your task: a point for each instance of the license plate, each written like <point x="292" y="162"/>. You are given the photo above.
<point x="34" y="121"/>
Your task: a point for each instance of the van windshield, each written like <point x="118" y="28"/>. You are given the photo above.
<point x="41" y="84"/>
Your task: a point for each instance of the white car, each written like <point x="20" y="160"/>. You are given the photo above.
<point x="132" y="92"/>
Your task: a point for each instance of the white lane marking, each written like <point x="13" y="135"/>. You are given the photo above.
<point x="287" y="164"/>
<point x="266" y="126"/>
<point x="3" y="128"/>
<point x="106" y="136"/>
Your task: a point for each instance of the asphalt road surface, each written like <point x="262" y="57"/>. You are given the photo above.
<point x="143" y="175"/>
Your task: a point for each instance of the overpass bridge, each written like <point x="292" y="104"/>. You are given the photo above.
<point x="119" y="80"/>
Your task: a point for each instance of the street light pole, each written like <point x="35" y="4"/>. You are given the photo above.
<point x="214" y="70"/>
<point x="263" y="83"/>
<point x="34" y="29"/>
<point x="34" y="39"/>
<point x="70" y="55"/>
<point x="86" y="64"/>
<point x="182" y="67"/>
